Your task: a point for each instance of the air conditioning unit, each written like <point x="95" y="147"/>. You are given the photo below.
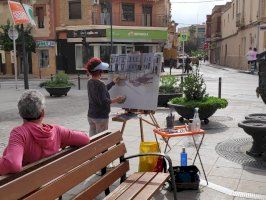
<point x="95" y="2"/>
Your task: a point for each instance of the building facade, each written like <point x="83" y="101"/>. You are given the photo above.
<point x="43" y="62"/>
<point x="214" y="35"/>
<point x="199" y="33"/>
<point x="84" y="29"/>
<point x="242" y="27"/>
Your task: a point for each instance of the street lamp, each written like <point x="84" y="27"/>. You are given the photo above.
<point x="111" y="24"/>
<point x="110" y="8"/>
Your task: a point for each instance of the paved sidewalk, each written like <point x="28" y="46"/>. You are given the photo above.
<point x="229" y="177"/>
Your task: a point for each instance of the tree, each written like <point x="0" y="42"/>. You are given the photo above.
<point x="7" y="43"/>
<point x="192" y="32"/>
<point x="193" y="43"/>
<point x="190" y="46"/>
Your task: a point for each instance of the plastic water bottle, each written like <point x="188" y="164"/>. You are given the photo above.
<point x="183" y="157"/>
<point x="195" y="126"/>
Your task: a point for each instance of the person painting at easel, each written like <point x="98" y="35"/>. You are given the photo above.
<point x="99" y="97"/>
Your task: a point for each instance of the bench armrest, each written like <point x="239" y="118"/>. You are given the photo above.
<point x="166" y="158"/>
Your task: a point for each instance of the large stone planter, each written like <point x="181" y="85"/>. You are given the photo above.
<point x="60" y="91"/>
<point x="262" y="77"/>
<point x="257" y="130"/>
<point x="256" y="116"/>
<point x="188" y="113"/>
<point x="163" y="99"/>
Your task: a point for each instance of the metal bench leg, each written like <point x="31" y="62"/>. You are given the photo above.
<point x="103" y="171"/>
<point x="198" y="155"/>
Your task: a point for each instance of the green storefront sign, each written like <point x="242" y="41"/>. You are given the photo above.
<point x="137" y="34"/>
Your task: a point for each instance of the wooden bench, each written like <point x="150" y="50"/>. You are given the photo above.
<point x="50" y="178"/>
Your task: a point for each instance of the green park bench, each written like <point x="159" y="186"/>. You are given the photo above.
<point x="51" y="177"/>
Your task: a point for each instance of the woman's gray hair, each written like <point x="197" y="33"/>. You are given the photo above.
<point x="31" y="105"/>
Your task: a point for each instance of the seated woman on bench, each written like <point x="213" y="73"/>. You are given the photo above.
<point x="34" y="140"/>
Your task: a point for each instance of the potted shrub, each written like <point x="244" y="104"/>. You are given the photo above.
<point x="59" y="85"/>
<point x="194" y="90"/>
<point x="168" y="90"/>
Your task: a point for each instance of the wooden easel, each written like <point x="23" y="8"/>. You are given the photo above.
<point x="132" y="114"/>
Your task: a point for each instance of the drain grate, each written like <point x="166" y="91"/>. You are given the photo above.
<point x="235" y="151"/>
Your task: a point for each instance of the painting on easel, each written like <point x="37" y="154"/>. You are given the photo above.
<point x="140" y="76"/>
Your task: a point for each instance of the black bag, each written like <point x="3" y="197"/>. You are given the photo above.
<point x="186" y="177"/>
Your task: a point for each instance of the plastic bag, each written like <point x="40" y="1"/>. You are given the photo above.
<point x="148" y="163"/>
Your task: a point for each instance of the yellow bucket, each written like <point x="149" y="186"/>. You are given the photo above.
<point x="148" y="163"/>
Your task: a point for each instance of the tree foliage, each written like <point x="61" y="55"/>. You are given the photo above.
<point x="193" y="44"/>
<point x="194" y="86"/>
<point x="7" y="43"/>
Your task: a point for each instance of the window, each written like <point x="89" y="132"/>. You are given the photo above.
<point x="74" y="9"/>
<point x="80" y="57"/>
<point x="124" y="49"/>
<point x="128" y="12"/>
<point x="40" y="12"/>
<point x="147" y="15"/>
<point x="233" y="11"/>
<point x="105" y="53"/>
<point x="44" y="58"/>
<point x="105" y="13"/>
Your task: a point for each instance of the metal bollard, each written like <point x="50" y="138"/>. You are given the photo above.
<point x="220" y="87"/>
<point x="78" y="81"/>
<point x="52" y="77"/>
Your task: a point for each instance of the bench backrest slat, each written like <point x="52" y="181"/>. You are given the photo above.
<point x="39" y="163"/>
<point x="61" y="185"/>
<point x="41" y="176"/>
<point x="101" y="185"/>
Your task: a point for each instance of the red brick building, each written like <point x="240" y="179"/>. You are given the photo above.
<point x="139" y="25"/>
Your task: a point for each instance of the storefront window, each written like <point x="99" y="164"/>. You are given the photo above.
<point x="124" y="49"/>
<point x="79" y="56"/>
<point x="44" y="58"/>
<point x="105" y="53"/>
<point x="143" y="49"/>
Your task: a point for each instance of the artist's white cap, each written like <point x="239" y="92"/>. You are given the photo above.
<point x="102" y="66"/>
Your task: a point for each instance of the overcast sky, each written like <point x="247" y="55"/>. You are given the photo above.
<point x="186" y="14"/>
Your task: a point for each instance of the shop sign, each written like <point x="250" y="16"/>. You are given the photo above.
<point x="183" y="37"/>
<point x="40" y="44"/>
<point x="87" y="33"/>
<point x="137" y="34"/>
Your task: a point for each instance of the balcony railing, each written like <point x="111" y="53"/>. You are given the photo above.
<point x="120" y="19"/>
